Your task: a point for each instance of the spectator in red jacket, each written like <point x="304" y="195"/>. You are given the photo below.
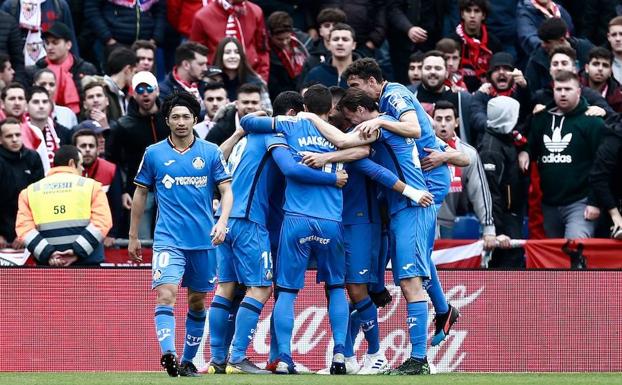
<point x="181" y="12"/>
<point x="234" y="18"/>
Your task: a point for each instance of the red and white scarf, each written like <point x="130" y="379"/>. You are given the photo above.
<point x="67" y="91"/>
<point x="191" y="87"/>
<point x="550" y="12"/>
<point x="233" y="27"/>
<point x="45" y="142"/>
<point x="30" y="19"/>
<point x="456" y="172"/>
<point x="292" y="57"/>
<point x="475" y="52"/>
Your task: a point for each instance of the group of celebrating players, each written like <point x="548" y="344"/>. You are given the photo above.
<point x="294" y="187"/>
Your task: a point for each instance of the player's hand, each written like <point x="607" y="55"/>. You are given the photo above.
<point x="108" y="242"/>
<point x="591" y="213"/>
<point x="523" y="161"/>
<point x="490" y="241"/>
<point x="426" y="199"/>
<point x="368" y="128"/>
<point x="134" y="249"/>
<point x="342" y="178"/>
<point x="434" y="159"/>
<point x="219" y="232"/>
<point x="18" y="244"/>
<point x="503" y="241"/>
<point x="595" y="111"/>
<point x="313" y="159"/>
<point x="126" y="201"/>
<point x="417" y="34"/>
<point x="519" y="78"/>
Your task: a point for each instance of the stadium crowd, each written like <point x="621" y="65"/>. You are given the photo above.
<point x="520" y="101"/>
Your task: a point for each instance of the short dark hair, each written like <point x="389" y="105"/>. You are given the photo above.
<point x="600" y="53"/>
<point x="482" y="4"/>
<point x="318" y="99"/>
<point x="279" y="22"/>
<point x="4" y="58"/>
<point x="249" y="88"/>
<point x="331" y="15"/>
<point x="287" y="100"/>
<point x="552" y="29"/>
<point x="11" y="86"/>
<point x="36" y="90"/>
<point x="416" y="57"/>
<point x="82" y="132"/>
<point x="364" y="68"/>
<point x="119" y="58"/>
<point x="565" y="50"/>
<point x="6" y="121"/>
<point x="187" y="50"/>
<point x="445" y="105"/>
<point x="211" y="86"/>
<point x="181" y="98"/>
<point x="447" y="46"/>
<point x="354" y="98"/>
<point x="343" y="27"/>
<point x="66" y="153"/>
<point x="143" y="44"/>
<point x="434" y="53"/>
<point x="564" y="76"/>
<point x="93" y="84"/>
<point x="337" y="92"/>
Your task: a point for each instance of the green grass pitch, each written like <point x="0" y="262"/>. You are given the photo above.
<point x="111" y="378"/>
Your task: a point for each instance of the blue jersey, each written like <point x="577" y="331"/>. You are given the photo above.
<point x="184" y="183"/>
<point x="399" y="155"/>
<point x="360" y="205"/>
<point x="312" y="200"/>
<point x="396" y="100"/>
<point x="255" y="174"/>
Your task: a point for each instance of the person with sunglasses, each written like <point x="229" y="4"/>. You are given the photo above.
<point x="143" y="126"/>
<point x="215" y="97"/>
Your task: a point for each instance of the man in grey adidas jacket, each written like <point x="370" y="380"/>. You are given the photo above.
<point x="469" y="188"/>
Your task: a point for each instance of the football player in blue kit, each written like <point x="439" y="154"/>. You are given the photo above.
<point x="183" y="171"/>
<point x="245" y="256"/>
<point x="396" y="100"/>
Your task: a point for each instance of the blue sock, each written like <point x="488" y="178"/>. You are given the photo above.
<point x="274" y="346"/>
<point x="195" y="324"/>
<point x="235" y="306"/>
<point x="353" y="330"/>
<point x="435" y="292"/>
<point x="368" y="314"/>
<point x="284" y="323"/>
<point x="417" y="321"/>
<point x="245" y="325"/>
<point x="218" y="323"/>
<point x="338" y="315"/>
<point x="164" y="320"/>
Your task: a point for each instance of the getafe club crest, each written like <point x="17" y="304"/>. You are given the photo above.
<point x="198" y="163"/>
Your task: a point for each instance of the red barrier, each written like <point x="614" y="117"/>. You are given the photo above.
<point x="102" y="319"/>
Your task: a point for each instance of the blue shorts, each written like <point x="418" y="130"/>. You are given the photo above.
<point x="305" y="237"/>
<point x="410" y="238"/>
<point x="362" y="245"/>
<point x="245" y="256"/>
<point x="195" y="269"/>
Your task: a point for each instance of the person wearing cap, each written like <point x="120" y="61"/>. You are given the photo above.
<point x="552" y="32"/>
<point x="63" y="218"/>
<point x="503" y="80"/>
<point x="129" y="136"/>
<point x="86" y="138"/>
<point x="287" y="54"/>
<point x="68" y="68"/>
<point x="507" y="185"/>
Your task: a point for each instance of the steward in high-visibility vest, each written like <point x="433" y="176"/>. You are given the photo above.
<point x="64" y="217"/>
